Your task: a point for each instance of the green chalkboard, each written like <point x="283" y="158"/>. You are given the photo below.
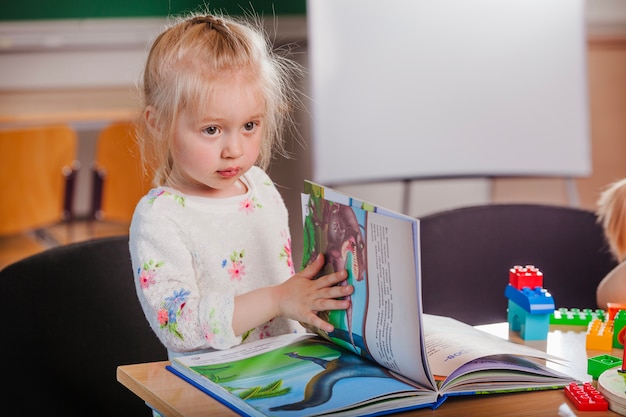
<point x="11" y="10"/>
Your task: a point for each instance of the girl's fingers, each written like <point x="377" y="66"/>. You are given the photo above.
<point x="332" y="279"/>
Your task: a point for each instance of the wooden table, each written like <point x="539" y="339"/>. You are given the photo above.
<point x="172" y="396"/>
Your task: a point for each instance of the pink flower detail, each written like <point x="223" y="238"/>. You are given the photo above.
<point x="264" y="332"/>
<point x="237" y="270"/>
<point x="246" y="206"/>
<point x="286" y="252"/>
<point x="162" y="316"/>
<point x="146" y="278"/>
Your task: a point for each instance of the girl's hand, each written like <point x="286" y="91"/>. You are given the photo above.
<point x="301" y="297"/>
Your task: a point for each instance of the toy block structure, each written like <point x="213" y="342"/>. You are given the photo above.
<point x="600" y="335"/>
<point x="598" y="364"/>
<point x="576" y="316"/>
<point x="525" y="276"/>
<point x="585" y="397"/>
<point x="530" y="305"/>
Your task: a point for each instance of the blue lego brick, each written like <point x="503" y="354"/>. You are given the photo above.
<point x="531" y="326"/>
<point x="535" y="301"/>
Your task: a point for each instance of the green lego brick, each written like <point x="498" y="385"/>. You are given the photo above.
<point x="576" y="316"/>
<point x="598" y="364"/>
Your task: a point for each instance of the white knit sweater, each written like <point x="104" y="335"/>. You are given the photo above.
<point x="192" y="255"/>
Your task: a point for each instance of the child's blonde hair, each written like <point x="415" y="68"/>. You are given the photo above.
<point x="188" y="59"/>
<point x="612" y="215"/>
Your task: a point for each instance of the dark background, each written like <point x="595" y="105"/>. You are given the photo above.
<point x="78" y="9"/>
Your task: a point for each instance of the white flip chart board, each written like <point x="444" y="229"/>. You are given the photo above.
<point x="407" y="89"/>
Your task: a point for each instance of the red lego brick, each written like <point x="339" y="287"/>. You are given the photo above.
<point x="585" y="397"/>
<point x="613" y="308"/>
<point x="525" y="276"/>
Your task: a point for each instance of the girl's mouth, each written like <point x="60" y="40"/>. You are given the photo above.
<point x="229" y="173"/>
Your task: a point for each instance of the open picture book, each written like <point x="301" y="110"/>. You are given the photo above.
<point x="385" y="355"/>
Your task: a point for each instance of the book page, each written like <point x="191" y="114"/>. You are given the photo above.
<point x="299" y="375"/>
<point x="392" y="326"/>
<point x="379" y="251"/>
<point x="451" y="344"/>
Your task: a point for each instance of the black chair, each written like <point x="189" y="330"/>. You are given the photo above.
<point x="71" y="316"/>
<point x="467" y="253"/>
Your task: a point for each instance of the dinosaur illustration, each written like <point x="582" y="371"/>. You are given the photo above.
<point x="345" y="242"/>
<point x="344" y="235"/>
<point x="320" y="388"/>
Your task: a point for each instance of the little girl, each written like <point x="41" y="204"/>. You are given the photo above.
<point x="611" y="213"/>
<point x="210" y="245"/>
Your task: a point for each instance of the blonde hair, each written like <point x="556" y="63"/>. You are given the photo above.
<point x="611" y="214"/>
<point x="188" y="59"/>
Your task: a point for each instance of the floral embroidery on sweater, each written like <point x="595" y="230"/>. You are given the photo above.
<point x="264" y="331"/>
<point x="285" y="253"/>
<point x="237" y="268"/>
<point x="213" y="328"/>
<point x="245" y="335"/>
<point x="248" y="205"/>
<point x="157" y="192"/>
<point x="147" y="273"/>
<point x="171" y="310"/>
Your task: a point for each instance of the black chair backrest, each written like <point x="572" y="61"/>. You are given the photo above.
<point x="71" y="317"/>
<point x="467" y="254"/>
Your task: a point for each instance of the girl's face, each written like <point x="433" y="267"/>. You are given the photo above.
<point x="212" y="152"/>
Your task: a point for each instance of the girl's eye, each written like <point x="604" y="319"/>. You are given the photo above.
<point x="211" y="130"/>
<point x="249" y="126"/>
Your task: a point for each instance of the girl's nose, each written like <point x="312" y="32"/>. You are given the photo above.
<point x="233" y="147"/>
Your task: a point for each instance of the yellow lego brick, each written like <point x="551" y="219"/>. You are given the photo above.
<point x="600" y="335"/>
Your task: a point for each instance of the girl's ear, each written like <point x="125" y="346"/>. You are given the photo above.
<point x="150" y="115"/>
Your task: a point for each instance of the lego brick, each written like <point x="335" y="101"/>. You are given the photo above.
<point x="576" y="316"/>
<point x="613" y="308"/>
<point x="600" y="335"/>
<point x="530" y="326"/>
<point x="598" y="364"/>
<point x="619" y="329"/>
<point x="535" y="301"/>
<point x="525" y="276"/>
<point x="585" y="397"/>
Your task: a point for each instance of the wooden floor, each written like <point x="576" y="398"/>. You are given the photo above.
<point x="19" y="246"/>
